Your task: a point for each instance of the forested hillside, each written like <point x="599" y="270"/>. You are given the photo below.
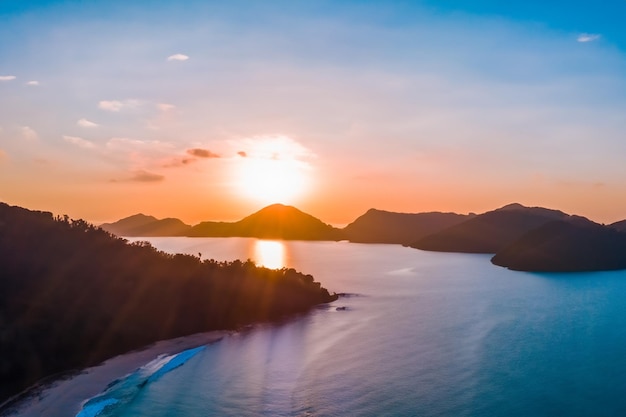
<point x="72" y="295"/>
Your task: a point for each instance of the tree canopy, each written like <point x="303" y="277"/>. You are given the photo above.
<point x="72" y="295"/>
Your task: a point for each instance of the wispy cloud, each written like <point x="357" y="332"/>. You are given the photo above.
<point x="588" y="37"/>
<point x="7" y="77"/>
<point x="118" y="105"/>
<point x="140" y="154"/>
<point x="3" y="155"/>
<point x="165" y="107"/>
<point x="29" y="133"/>
<point x="33" y="83"/>
<point x="178" y="162"/>
<point x="80" y="142"/>
<point x="145" y="176"/>
<point x="136" y="145"/>
<point x="178" y="57"/>
<point x="86" y="123"/>
<point x="273" y="147"/>
<point x="202" y="153"/>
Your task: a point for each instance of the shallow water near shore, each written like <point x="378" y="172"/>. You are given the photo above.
<point x="422" y="333"/>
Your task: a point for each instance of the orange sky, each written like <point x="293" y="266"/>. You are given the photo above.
<point x="212" y="112"/>
<point x="335" y="196"/>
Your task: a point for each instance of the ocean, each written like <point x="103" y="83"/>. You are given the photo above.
<point x="416" y="334"/>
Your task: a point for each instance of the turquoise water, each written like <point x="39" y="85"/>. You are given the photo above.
<point x="423" y="334"/>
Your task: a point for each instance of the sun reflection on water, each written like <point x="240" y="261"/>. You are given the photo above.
<point x="269" y="253"/>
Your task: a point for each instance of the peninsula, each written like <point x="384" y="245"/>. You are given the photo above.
<point x="73" y="295"/>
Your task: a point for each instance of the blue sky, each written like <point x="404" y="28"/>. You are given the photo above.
<point x="405" y="106"/>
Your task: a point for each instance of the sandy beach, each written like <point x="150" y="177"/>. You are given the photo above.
<point x="65" y="396"/>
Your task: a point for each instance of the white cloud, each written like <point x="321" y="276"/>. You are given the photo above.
<point x="110" y="105"/>
<point x="588" y="37"/>
<point x="178" y="57"/>
<point x="165" y="106"/>
<point x="80" y="142"/>
<point x="28" y="133"/>
<point x="135" y="143"/>
<point x="7" y="77"/>
<point x="86" y="123"/>
<point x="33" y="83"/>
<point x="117" y="105"/>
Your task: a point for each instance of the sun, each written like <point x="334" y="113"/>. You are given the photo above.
<point x="272" y="181"/>
<point x="273" y="170"/>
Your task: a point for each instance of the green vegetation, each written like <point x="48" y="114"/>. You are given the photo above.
<point x="72" y="295"/>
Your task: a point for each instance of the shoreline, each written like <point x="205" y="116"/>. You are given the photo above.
<point x="64" y="396"/>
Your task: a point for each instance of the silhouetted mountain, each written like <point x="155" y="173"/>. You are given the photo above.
<point x="142" y="225"/>
<point x="213" y="229"/>
<point x="566" y="246"/>
<point x="273" y="222"/>
<point x="491" y="231"/>
<point x="378" y="226"/>
<point x="72" y="295"/>
<point x="621" y="226"/>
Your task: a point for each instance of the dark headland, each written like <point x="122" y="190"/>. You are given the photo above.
<point x="535" y="239"/>
<point x="72" y="295"/>
<point x="489" y="232"/>
<point x="620" y="226"/>
<point x="566" y="246"/>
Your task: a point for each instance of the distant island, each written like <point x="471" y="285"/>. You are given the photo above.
<point x="147" y="226"/>
<point x="72" y="295"/>
<point x="379" y="226"/>
<point x="273" y="222"/>
<point x="560" y="242"/>
<point x="279" y="221"/>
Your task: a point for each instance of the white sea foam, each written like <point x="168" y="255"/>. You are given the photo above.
<point x="94" y="409"/>
<point x="122" y="392"/>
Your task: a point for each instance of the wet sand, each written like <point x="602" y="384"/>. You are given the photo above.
<point x="65" y="396"/>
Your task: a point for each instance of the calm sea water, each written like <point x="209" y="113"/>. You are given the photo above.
<point x="425" y="334"/>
